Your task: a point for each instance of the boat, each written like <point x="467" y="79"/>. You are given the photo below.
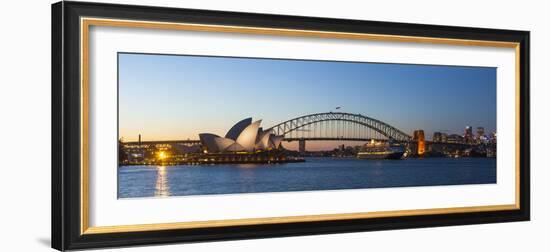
<point x="381" y="150"/>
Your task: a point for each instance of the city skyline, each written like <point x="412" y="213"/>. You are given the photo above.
<point x="165" y="97"/>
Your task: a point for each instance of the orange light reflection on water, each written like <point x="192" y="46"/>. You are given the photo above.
<point x="162" y="187"/>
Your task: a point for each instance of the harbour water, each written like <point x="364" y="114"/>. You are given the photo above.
<point x="314" y="174"/>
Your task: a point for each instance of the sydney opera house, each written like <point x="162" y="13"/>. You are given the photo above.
<point x="245" y="136"/>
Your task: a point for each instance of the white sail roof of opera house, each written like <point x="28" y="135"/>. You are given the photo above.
<point x="245" y="135"/>
<point x="236" y="130"/>
<point x="208" y="141"/>
<point x="275" y="140"/>
<point x="224" y="143"/>
<point x="262" y="141"/>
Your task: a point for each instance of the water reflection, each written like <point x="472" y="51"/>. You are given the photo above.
<point x="162" y="187"/>
<point x="247" y="166"/>
<point x="315" y="174"/>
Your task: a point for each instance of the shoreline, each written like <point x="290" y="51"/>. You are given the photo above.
<point x="210" y="161"/>
<point x="274" y="161"/>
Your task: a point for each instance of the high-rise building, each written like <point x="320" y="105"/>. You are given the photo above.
<point x="480" y="132"/>
<point x="418" y="136"/>
<point x="438" y="137"/>
<point x="468" y="134"/>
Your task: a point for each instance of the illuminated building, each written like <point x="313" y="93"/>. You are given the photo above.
<point x="480" y="132"/>
<point x="468" y="135"/>
<point x="454" y="138"/>
<point x="443" y="137"/>
<point x="493" y="138"/>
<point x="438" y="137"/>
<point x="244" y="136"/>
<point x="418" y="136"/>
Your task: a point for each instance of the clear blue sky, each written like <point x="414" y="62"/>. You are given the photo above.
<point x="178" y="97"/>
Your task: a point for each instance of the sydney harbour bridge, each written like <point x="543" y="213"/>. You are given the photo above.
<point x="337" y="126"/>
<point x="329" y="126"/>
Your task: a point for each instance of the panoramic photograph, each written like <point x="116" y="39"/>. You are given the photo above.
<point x="204" y="125"/>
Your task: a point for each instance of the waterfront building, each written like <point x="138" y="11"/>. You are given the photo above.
<point x="454" y="138"/>
<point x="438" y="137"/>
<point x="244" y="136"/>
<point x="443" y="137"/>
<point x="483" y="139"/>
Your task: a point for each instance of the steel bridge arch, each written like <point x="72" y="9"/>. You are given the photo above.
<point x="381" y="127"/>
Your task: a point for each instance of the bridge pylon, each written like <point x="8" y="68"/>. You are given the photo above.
<point x="302" y="146"/>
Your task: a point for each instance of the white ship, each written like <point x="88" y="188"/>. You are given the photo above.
<point x="380" y="150"/>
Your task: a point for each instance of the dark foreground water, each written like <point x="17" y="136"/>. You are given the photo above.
<point x="314" y="174"/>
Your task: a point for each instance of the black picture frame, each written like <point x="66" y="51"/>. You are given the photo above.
<point x="66" y="125"/>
